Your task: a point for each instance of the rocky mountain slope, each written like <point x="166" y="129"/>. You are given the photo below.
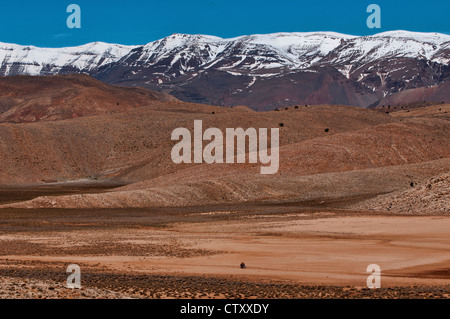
<point x="438" y="93"/>
<point x="432" y="196"/>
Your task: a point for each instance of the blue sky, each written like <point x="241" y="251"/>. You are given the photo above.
<point x="43" y="23"/>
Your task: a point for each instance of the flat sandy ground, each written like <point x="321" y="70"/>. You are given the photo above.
<point x="292" y="250"/>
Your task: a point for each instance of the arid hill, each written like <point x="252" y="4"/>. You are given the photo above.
<point x="34" y="99"/>
<point x="135" y="145"/>
<point x="326" y="153"/>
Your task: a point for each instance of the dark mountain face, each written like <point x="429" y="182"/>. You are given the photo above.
<point x="260" y="71"/>
<point x="424" y="95"/>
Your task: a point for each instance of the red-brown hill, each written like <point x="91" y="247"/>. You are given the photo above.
<point x="34" y="99"/>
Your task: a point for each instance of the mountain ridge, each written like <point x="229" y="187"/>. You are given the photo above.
<point x="297" y="68"/>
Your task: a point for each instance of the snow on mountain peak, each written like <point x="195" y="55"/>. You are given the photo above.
<point x="296" y="50"/>
<point x="434" y="37"/>
<point x="30" y="60"/>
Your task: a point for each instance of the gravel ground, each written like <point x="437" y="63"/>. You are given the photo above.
<point x="24" y="282"/>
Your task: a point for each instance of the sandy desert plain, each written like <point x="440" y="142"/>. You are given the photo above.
<point x="88" y="180"/>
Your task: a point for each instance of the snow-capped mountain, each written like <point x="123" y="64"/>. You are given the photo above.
<point x="262" y="71"/>
<point x="30" y="60"/>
